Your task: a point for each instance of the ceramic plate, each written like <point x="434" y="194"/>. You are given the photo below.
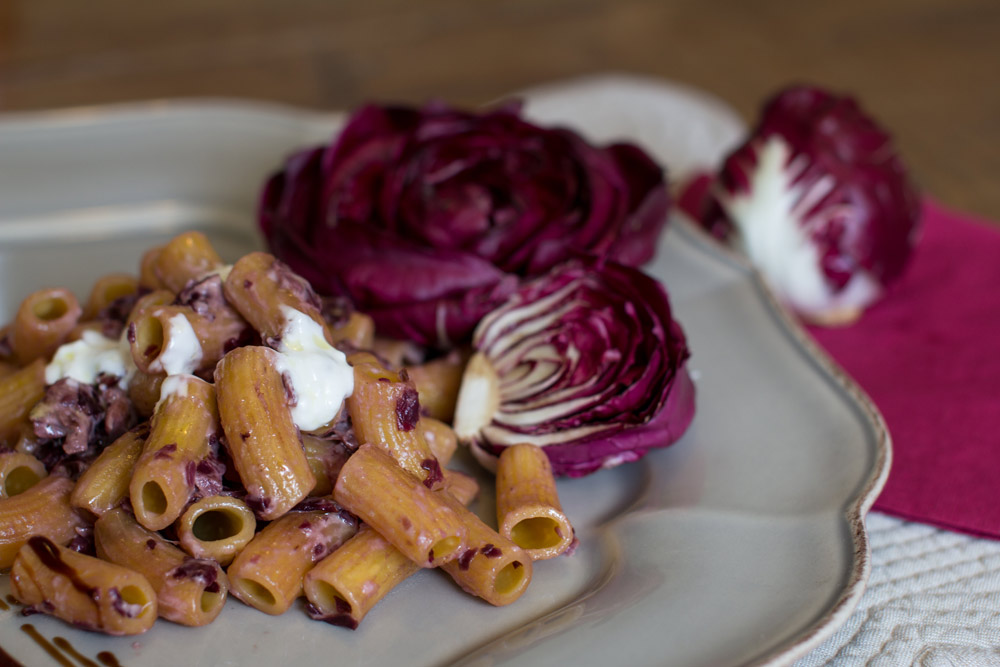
<point x="742" y="543"/>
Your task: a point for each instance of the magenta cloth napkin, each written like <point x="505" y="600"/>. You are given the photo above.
<point x="928" y="354"/>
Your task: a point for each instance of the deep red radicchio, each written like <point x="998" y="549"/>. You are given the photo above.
<point x="819" y="200"/>
<point x="428" y="218"/>
<point x="586" y="362"/>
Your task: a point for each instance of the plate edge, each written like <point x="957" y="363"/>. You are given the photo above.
<point x="857" y="507"/>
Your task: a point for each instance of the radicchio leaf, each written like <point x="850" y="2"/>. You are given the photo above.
<point x="586" y="362"/>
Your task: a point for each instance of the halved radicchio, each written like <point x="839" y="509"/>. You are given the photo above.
<point x="586" y="362"/>
<point x="820" y="202"/>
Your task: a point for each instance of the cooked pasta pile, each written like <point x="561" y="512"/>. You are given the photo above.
<point x="205" y="429"/>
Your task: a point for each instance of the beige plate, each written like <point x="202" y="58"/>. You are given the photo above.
<point x="743" y="543"/>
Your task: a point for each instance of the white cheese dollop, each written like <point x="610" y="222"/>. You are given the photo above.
<point x="182" y="353"/>
<point x="94" y="353"/>
<point x="318" y="372"/>
<point x="174" y="385"/>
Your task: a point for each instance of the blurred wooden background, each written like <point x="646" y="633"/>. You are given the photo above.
<point x="927" y="69"/>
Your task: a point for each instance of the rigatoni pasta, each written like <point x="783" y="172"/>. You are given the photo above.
<point x="106" y="290"/>
<point x="260" y="287"/>
<point x="396" y="504"/>
<point x="42" y="323"/>
<point x="326" y="457"/>
<point x="343" y="587"/>
<point x="267" y="574"/>
<point x="18" y="473"/>
<point x="249" y="442"/>
<point x="185" y="423"/>
<point x="216" y="527"/>
<point x="189" y="591"/>
<point x="262" y="437"/>
<point x="491" y="567"/>
<point x="384" y="410"/>
<point x="44" y="510"/>
<point x="528" y="508"/>
<point x="83" y="590"/>
<point x="185" y="257"/>
<point x="19" y="392"/>
<point x="104" y="484"/>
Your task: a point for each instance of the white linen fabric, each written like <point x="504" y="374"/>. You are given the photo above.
<point x="933" y="600"/>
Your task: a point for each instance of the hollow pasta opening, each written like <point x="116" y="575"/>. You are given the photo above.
<point x="328" y="598"/>
<point x="216" y="524"/>
<point x="510" y="578"/>
<point x="154" y="501"/>
<point x="445" y="547"/>
<point x="210" y="601"/>
<point x="149" y="337"/>
<point x="539" y="532"/>
<point x="255" y="593"/>
<point x="50" y="309"/>
<point x="134" y="595"/>
<point x="116" y="290"/>
<point x="19" y="480"/>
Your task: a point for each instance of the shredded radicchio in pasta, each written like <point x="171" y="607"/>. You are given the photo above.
<point x="201" y="570"/>
<point x="126" y="609"/>
<point x="84" y="541"/>
<point x="340" y="619"/>
<point x="205" y="476"/>
<point x="73" y="422"/>
<point x="336" y="310"/>
<point x="114" y="315"/>
<point x="407" y="409"/>
<point x="204" y="296"/>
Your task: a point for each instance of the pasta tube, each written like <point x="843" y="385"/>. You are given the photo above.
<point x="344" y="586"/>
<point x="259" y="285"/>
<point x="185" y="422"/>
<point x="263" y="440"/>
<point x="147" y="269"/>
<point x="184" y="258"/>
<point x="267" y="574"/>
<point x="325" y="458"/>
<point x="358" y="331"/>
<point x="491" y="566"/>
<point x="19" y="392"/>
<point x="437" y="385"/>
<point x="216" y="527"/>
<point x="88" y="592"/>
<point x="189" y="591"/>
<point x="18" y="473"/>
<point x="144" y="392"/>
<point x="440" y="438"/>
<point x="396" y="504"/>
<point x="385" y="411"/>
<point x="176" y="339"/>
<point x="154" y="299"/>
<point x="528" y="509"/>
<point x="106" y="290"/>
<point x="42" y="323"/>
<point x="105" y="483"/>
<point x="43" y="509"/>
<point x="163" y="340"/>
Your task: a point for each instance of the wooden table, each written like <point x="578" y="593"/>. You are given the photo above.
<point x="926" y="68"/>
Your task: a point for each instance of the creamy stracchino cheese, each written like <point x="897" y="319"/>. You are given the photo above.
<point x="769" y="216"/>
<point x="318" y="373"/>
<point x="182" y="352"/>
<point x="85" y="359"/>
